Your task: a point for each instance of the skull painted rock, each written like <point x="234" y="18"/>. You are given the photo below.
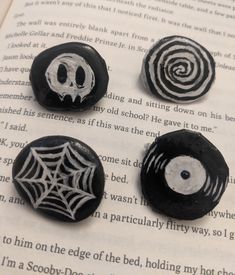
<point x="183" y="175"/>
<point x="71" y="76"/>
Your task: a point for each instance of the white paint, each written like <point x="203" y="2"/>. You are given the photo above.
<point x="192" y="57"/>
<point x="185" y="186"/>
<point x="71" y="62"/>
<point x="49" y="188"/>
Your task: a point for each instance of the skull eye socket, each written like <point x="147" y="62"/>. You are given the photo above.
<point x="62" y="74"/>
<point x="80" y="76"/>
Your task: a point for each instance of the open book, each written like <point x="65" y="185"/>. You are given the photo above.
<point x="124" y="235"/>
<point x="5" y="5"/>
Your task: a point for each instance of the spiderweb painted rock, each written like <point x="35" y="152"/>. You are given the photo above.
<point x="183" y="175"/>
<point x="178" y="69"/>
<point x="71" y="76"/>
<point x="60" y="176"/>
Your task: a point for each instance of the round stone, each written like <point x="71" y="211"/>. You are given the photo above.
<point x="183" y="175"/>
<point x="178" y="69"/>
<point x="71" y="76"/>
<point x="60" y="176"/>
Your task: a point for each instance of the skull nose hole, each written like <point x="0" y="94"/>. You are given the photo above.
<point x="62" y="74"/>
<point x="80" y="76"/>
<point x="71" y="84"/>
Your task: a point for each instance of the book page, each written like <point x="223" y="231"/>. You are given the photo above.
<point x="124" y="235"/>
<point x="5" y="4"/>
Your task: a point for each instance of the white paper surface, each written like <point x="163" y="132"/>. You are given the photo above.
<point x="124" y="236"/>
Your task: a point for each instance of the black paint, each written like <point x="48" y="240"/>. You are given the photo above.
<point x="174" y="81"/>
<point x="63" y="171"/>
<point x="155" y="187"/>
<point x="185" y="174"/>
<point x="48" y="98"/>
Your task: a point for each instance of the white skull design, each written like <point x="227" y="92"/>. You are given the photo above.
<point x="64" y="71"/>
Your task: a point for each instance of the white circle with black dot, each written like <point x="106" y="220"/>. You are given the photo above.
<point x="185" y="175"/>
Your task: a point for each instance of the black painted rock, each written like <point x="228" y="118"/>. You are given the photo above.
<point x="183" y="175"/>
<point x="60" y="176"/>
<point x="71" y="76"/>
<point x="178" y="69"/>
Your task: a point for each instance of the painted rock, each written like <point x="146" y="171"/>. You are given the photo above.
<point x="60" y="176"/>
<point x="183" y="175"/>
<point x="178" y="69"/>
<point x="71" y="76"/>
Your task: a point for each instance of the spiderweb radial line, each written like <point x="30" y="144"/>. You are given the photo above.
<point x="61" y="159"/>
<point x="59" y="211"/>
<point x="90" y="196"/>
<point x="48" y="173"/>
<point x="23" y="169"/>
<point x="62" y="211"/>
<point x="20" y="177"/>
<point x="29" y="192"/>
<point x="81" y="202"/>
<point x="39" y="185"/>
<point x="31" y="168"/>
<point x="91" y="175"/>
<point x="37" y="157"/>
<point x="32" y="183"/>
<point x="37" y="172"/>
<point x="90" y="168"/>
<point x="69" y="193"/>
<point x="59" y="197"/>
<point x="68" y="208"/>
<point x="76" y="179"/>
<point x="74" y="199"/>
<point x="78" y="192"/>
<point x="69" y="188"/>
<point x="82" y="160"/>
<point x="35" y="187"/>
<point x="71" y="170"/>
<point x="61" y="183"/>
<point x="74" y="161"/>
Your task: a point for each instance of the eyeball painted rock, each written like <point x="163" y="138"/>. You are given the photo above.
<point x="71" y="76"/>
<point x="178" y="69"/>
<point x="59" y="176"/>
<point x="183" y="175"/>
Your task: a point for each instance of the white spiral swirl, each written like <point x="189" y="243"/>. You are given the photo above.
<point x="178" y="69"/>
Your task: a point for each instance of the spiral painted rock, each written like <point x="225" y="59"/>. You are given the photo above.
<point x="183" y="175"/>
<point x="178" y="69"/>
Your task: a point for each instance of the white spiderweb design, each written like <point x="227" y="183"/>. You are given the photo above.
<point x="57" y="179"/>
